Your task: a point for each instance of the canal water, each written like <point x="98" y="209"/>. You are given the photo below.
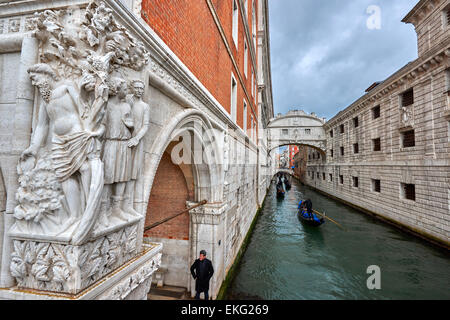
<point x="286" y="259"/>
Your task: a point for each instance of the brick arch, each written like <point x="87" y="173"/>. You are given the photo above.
<point x="169" y="194"/>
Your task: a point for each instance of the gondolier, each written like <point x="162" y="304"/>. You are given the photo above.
<point x="305" y="214"/>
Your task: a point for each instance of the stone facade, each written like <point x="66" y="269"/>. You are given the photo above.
<point x="388" y="152"/>
<point x="178" y="108"/>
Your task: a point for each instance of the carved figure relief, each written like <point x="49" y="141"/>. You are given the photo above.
<point x="87" y="134"/>
<point x="406" y="116"/>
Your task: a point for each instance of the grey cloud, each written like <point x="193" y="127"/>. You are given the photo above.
<point x="324" y="56"/>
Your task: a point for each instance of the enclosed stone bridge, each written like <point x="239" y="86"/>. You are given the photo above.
<point x="297" y="128"/>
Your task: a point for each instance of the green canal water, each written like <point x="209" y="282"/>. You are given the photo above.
<point x="286" y="259"/>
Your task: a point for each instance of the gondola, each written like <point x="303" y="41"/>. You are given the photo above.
<point x="310" y="219"/>
<point x="280" y="192"/>
<point x="287" y="184"/>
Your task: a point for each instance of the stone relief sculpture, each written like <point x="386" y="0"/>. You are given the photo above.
<point x="117" y="155"/>
<point x="406" y="116"/>
<point x="84" y="146"/>
<point x="141" y="118"/>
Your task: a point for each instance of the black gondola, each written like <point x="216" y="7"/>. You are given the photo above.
<point x="287" y="184"/>
<point x="280" y="191"/>
<point x="310" y="219"/>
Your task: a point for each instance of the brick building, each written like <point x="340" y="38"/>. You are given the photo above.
<point x="293" y="150"/>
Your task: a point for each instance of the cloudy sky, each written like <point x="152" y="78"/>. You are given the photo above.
<point x="325" y="53"/>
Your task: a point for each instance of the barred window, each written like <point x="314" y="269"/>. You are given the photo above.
<point x="408" y="98"/>
<point x="376" y="112"/>
<point x="408" y="191"/>
<point x="376" y="144"/>
<point x="355" y="182"/>
<point x="376" y="185"/>
<point x="408" y="139"/>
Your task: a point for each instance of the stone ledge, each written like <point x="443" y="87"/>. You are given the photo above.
<point x="118" y="285"/>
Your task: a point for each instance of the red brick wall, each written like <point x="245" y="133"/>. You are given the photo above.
<point x="187" y="27"/>
<point x="168" y="197"/>
<point x="300" y="161"/>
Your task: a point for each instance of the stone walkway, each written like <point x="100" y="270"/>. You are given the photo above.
<point x="168" y="293"/>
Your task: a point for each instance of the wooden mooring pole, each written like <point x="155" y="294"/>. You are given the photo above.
<point x="174" y="216"/>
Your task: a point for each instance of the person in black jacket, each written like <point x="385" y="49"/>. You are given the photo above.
<point x="202" y="270"/>
<point x="308" y="205"/>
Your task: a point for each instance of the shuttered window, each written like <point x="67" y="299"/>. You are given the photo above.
<point x="376" y="112"/>
<point x="376" y="144"/>
<point x="408" y="98"/>
<point x="409" y="191"/>
<point x="408" y="139"/>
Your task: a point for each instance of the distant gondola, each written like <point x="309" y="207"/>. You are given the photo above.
<point x="310" y="219"/>
<point x="280" y="191"/>
<point x="287" y="184"/>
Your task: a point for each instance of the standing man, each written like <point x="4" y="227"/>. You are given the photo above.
<point x="141" y="118"/>
<point x="117" y="155"/>
<point x="202" y="270"/>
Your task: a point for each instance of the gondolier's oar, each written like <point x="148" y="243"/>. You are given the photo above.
<point x="329" y="219"/>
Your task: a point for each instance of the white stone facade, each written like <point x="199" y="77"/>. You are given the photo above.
<point x="426" y="164"/>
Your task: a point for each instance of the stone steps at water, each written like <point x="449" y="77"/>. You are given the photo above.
<point x="167" y="293"/>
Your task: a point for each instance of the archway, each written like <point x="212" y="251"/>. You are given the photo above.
<point x="306" y="152"/>
<point x="174" y="176"/>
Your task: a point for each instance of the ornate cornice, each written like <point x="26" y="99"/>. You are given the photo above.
<point x="409" y="73"/>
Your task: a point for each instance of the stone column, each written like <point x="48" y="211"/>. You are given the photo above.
<point x="20" y="141"/>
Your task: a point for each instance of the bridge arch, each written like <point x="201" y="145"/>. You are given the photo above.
<point x="297" y="128"/>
